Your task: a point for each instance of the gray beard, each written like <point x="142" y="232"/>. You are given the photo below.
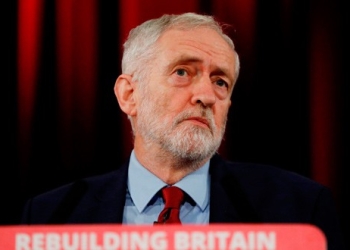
<point x="188" y="144"/>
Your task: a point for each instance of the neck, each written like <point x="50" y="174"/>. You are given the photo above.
<point x="163" y="164"/>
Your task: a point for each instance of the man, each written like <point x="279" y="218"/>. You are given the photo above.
<point x="178" y="74"/>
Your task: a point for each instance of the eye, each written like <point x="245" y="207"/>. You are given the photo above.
<point x="221" y="83"/>
<point x="181" y="72"/>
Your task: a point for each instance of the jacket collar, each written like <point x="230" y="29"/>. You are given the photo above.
<point x="228" y="200"/>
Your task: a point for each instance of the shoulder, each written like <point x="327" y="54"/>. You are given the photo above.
<point x="88" y="187"/>
<point x="262" y="176"/>
<point x="77" y="199"/>
<point x="268" y="188"/>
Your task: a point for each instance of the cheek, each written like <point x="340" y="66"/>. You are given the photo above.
<point x="220" y="115"/>
<point x="174" y="100"/>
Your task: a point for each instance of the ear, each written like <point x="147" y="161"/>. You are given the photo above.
<point x="124" y="91"/>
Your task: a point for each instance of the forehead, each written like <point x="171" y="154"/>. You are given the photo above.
<point x="202" y="43"/>
<point x="212" y="37"/>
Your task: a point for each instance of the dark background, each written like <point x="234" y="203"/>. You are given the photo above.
<point x="289" y="108"/>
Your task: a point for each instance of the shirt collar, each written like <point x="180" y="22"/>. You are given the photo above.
<point x="143" y="184"/>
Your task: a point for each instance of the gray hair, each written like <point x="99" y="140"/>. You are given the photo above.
<point x="140" y="48"/>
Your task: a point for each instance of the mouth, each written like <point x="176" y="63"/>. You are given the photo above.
<point x="199" y="121"/>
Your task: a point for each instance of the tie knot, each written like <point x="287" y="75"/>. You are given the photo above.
<point x="173" y="197"/>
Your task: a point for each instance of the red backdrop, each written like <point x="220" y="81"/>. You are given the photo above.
<point x="289" y="105"/>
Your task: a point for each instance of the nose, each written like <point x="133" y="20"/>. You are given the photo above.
<point x="203" y="92"/>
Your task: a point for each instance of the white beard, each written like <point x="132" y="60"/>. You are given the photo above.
<point x="184" y="141"/>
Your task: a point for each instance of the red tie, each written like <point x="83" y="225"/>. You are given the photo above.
<point x="173" y="197"/>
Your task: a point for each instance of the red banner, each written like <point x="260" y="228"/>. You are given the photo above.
<point x="177" y="237"/>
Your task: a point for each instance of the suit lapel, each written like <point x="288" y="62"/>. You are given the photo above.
<point x="228" y="200"/>
<point x="111" y="197"/>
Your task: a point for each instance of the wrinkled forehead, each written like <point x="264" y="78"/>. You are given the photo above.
<point x="201" y="44"/>
<point x="219" y="36"/>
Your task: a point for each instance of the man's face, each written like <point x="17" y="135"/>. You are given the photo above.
<point x="183" y="107"/>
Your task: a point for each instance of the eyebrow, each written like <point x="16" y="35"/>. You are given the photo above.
<point x="186" y="59"/>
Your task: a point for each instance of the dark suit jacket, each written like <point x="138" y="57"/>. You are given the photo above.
<point x="239" y="192"/>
